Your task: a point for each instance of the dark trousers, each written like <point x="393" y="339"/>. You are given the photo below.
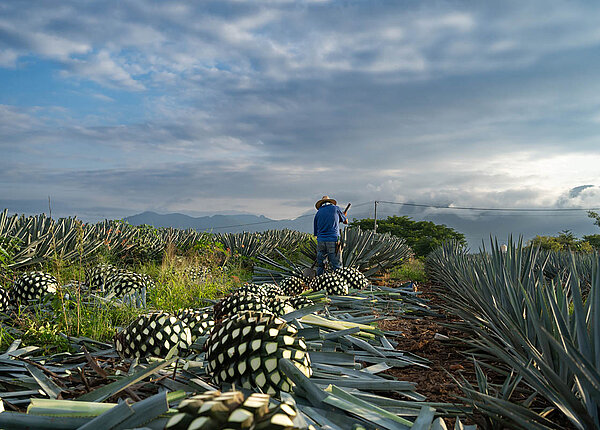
<point x="327" y="249"/>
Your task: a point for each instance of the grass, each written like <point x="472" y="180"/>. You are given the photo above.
<point x="412" y="270"/>
<point x="74" y="313"/>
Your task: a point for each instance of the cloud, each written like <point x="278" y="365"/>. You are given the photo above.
<point x="585" y="196"/>
<point x="575" y="192"/>
<point x="242" y="103"/>
<point x="137" y="45"/>
<point x="105" y="70"/>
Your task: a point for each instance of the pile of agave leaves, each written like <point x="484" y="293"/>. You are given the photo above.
<point x="348" y="388"/>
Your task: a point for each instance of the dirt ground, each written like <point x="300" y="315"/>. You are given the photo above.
<point x="445" y="356"/>
<point x="418" y="337"/>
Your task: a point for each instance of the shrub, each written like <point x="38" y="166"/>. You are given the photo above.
<point x="412" y="270"/>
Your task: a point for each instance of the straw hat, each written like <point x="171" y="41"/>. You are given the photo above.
<point x="325" y="199"/>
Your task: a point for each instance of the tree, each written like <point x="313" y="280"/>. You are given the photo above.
<point x="564" y="241"/>
<point x="595" y="216"/>
<point x="593" y="240"/>
<point x="422" y="236"/>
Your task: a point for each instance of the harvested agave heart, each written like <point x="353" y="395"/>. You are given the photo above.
<point x="122" y="283"/>
<point x="250" y="289"/>
<point x="332" y="283"/>
<point x="245" y="349"/>
<point x="215" y="410"/>
<point x="292" y="286"/>
<point x="280" y="307"/>
<point x="272" y="290"/>
<point x="4" y="300"/>
<point x="199" y="321"/>
<point x="96" y="277"/>
<point x="153" y="334"/>
<point x="304" y="278"/>
<point x="300" y="302"/>
<point x="32" y="287"/>
<point x="354" y="277"/>
<point x="195" y="274"/>
<point x="235" y="304"/>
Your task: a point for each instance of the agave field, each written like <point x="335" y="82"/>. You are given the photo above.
<point x="111" y="326"/>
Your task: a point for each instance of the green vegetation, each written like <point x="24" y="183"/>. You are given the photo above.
<point x="565" y="241"/>
<point x="558" y="291"/>
<point x="422" y="236"/>
<point x="77" y="313"/>
<point x="412" y="270"/>
<point x="593" y="240"/>
<point x="553" y="349"/>
<point x="595" y="216"/>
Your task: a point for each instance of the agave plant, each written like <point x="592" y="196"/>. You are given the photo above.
<point x="542" y="328"/>
<point x="363" y="249"/>
<point x="36" y="239"/>
<point x="252" y="244"/>
<point x="246" y="244"/>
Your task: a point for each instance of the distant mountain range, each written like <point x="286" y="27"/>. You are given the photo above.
<point x="182" y="221"/>
<point x="477" y="228"/>
<point x="219" y="223"/>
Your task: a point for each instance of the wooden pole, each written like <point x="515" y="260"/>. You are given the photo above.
<point x="375" y="224"/>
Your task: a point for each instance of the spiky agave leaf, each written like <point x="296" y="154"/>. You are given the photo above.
<point x="153" y="334"/>
<point x="199" y="321"/>
<point x="332" y="283"/>
<point x="292" y="285"/>
<point x="246" y="348"/>
<point x="354" y="277"/>
<point x="234" y="304"/>
<point x="33" y="286"/>
<point x="493" y="291"/>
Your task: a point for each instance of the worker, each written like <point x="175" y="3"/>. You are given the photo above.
<point x="327" y="229"/>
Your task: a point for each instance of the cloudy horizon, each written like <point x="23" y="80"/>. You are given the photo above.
<point x="114" y="108"/>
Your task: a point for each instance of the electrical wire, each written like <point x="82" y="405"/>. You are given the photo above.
<point x="489" y="209"/>
<point x="278" y="220"/>
<point x="425" y="206"/>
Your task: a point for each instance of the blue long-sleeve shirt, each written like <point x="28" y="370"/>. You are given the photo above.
<point x="327" y="223"/>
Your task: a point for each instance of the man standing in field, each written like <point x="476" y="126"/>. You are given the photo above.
<point x="327" y="229"/>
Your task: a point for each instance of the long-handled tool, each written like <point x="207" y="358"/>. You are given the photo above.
<point x="340" y="244"/>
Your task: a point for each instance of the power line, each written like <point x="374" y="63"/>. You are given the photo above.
<point x="419" y="205"/>
<point x="276" y="220"/>
<point x="489" y="209"/>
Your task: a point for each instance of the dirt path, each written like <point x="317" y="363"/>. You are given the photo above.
<point x="418" y="337"/>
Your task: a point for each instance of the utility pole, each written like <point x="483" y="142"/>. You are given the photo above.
<point x="375" y="224"/>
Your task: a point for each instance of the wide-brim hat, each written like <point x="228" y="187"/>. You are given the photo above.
<point x="325" y="199"/>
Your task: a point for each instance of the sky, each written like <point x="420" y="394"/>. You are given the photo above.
<point x="115" y="107"/>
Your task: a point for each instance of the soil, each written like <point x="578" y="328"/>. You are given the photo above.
<point x="418" y="337"/>
<point x="446" y="360"/>
<point x="445" y="356"/>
